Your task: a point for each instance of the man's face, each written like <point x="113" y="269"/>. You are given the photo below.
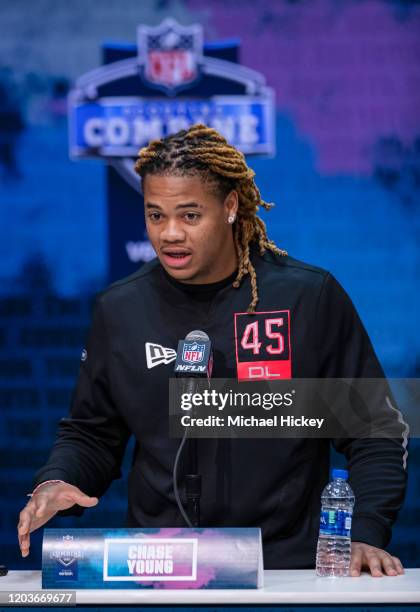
<point x="188" y="227"/>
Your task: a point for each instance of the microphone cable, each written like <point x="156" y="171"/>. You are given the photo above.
<point x="175" y="480"/>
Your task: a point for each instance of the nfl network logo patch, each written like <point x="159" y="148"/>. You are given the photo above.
<point x="193" y="352"/>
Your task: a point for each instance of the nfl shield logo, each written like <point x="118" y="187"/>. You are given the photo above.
<point x="193" y="352"/>
<point x="170" y="54"/>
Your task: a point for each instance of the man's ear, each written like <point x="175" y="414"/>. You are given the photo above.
<point x="231" y="204"/>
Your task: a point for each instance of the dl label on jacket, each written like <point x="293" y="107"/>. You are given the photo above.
<point x="152" y="558"/>
<point x="263" y="350"/>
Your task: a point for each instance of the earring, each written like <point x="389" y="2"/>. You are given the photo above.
<point x="231" y="219"/>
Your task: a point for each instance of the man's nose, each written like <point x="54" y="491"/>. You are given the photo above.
<point x="172" y="232"/>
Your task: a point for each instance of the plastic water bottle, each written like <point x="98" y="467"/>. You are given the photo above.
<point x="334" y="542"/>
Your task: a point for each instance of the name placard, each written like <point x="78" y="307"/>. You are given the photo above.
<point x="169" y="558"/>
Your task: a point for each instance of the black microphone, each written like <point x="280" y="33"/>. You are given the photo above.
<point x="194" y="358"/>
<point x="193" y="366"/>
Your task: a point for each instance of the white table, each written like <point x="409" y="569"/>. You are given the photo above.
<point x="281" y="587"/>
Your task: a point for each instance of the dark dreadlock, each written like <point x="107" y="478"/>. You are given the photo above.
<point x="202" y="150"/>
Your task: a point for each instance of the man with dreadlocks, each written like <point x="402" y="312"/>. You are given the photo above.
<point x="216" y="270"/>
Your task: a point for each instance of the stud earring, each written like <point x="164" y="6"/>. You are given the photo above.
<point x="231" y="219"/>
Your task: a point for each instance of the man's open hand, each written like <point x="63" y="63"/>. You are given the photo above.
<point x="376" y="560"/>
<point x="44" y="504"/>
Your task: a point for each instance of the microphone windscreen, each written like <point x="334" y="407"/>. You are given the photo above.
<point x="197" y="335"/>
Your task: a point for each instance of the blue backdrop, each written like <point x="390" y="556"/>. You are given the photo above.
<point x="345" y="180"/>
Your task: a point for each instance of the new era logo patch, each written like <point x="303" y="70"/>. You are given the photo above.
<point x="156" y="354"/>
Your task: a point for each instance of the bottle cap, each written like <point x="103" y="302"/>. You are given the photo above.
<point x="340" y="474"/>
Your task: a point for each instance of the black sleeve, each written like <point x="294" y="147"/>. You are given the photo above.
<point x="91" y="441"/>
<point x="377" y="466"/>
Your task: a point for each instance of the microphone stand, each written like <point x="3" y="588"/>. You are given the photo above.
<point x="193" y="486"/>
<point x="193" y="479"/>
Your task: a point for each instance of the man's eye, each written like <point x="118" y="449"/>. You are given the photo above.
<point x="154" y="216"/>
<point x="192" y="216"/>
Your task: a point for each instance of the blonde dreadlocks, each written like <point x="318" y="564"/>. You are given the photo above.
<point x="203" y="150"/>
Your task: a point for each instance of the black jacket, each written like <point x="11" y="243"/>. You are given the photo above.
<point x="272" y="483"/>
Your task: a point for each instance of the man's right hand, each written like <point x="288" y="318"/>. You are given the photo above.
<point x="44" y="504"/>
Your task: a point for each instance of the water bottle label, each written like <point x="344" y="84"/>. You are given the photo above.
<point x="335" y="522"/>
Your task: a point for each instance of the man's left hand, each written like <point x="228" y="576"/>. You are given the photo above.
<point x="375" y="560"/>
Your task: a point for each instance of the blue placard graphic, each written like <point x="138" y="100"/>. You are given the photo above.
<point x="204" y="558"/>
<point x="119" y="127"/>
